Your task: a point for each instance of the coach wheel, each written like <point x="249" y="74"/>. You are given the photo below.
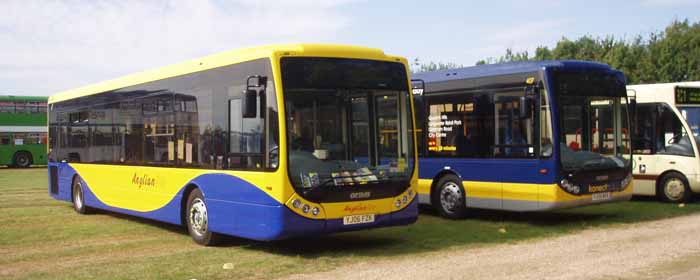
<point x="78" y="198"/>
<point x="674" y="188"/>
<point x="22" y="160"/>
<point x="198" y="220"/>
<point x="450" y="197"/>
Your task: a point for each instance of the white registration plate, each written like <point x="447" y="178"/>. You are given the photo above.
<point x="358" y="219"/>
<point x="601" y="196"/>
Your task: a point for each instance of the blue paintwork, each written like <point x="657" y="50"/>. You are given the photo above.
<point x="491" y="170"/>
<point x="243" y="211"/>
<point x="488" y="70"/>
<point x="506" y="170"/>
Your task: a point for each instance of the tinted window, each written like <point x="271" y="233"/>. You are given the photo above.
<point x="482" y="124"/>
<point x="180" y="121"/>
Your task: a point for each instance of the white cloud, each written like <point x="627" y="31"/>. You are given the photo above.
<point x="47" y="46"/>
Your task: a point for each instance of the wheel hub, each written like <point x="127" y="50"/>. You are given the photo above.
<point x="77" y="197"/>
<point x="450" y="197"/>
<point x="674" y="189"/>
<point x="198" y="216"/>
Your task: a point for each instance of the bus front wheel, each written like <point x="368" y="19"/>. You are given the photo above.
<point x="197" y="220"/>
<point x="673" y="187"/>
<point x="22" y="160"/>
<point x="78" y="198"/>
<point x="450" y="198"/>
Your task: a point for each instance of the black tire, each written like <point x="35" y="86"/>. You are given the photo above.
<point x="673" y="187"/>
<point x="449" y="197"/>
<point x="78" y="198"/>
<point x="197" y="220"/>
<point x="22" y="160"/>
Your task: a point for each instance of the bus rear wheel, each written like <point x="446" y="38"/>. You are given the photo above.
<point x="449" y="197"/>
<point x="673" y="187"/>
<point x="197" y="220"/>
<point x="22" y="160"/>
<point x="78" y="197"/>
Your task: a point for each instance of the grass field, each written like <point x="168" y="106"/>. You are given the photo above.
<point x="41" y="238"/>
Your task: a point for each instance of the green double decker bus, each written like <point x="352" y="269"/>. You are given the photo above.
<point x="22" y="130"/>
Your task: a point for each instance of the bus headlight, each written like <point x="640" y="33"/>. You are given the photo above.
<point x="626" y="181"/>
<point x="296" y="203"/>
<point x="398" y="203"/>
<point x="315" y="211"/>
<point x="305" y="209"/>
<point x="404" y="199"/>
<point x="570" y="187"/>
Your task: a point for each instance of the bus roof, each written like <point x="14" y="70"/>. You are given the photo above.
<point x="663" y="92"/>
<point x="224" y="59"/>
<point x="499" y="69"/>
<point x="23" y="98"/>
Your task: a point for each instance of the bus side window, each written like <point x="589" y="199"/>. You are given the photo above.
<point x="673" y="139"/>
<point x="5" y="138"/>
<point x="644" y="130"/>
<point x="419" y="110"/>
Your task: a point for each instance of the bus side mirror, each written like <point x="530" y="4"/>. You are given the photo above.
<point x="250" y="103"/>
<point x="525" y="107"/>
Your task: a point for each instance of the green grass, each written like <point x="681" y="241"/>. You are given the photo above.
<point x="41" y="238"/>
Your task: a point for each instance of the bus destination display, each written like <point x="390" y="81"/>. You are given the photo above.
<point x="687" y="95"/>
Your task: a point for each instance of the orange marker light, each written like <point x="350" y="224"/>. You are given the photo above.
<point x="544" y="171"/>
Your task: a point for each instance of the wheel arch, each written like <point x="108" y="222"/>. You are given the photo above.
<point x="669" y="171"/>
<point x="436" y="179"/>
<point x="28" y="153"/>
<point x="183" y="200"/>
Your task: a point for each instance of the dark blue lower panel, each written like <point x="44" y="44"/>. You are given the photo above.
<point x="278" y="222"/>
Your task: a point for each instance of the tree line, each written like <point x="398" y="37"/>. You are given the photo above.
<point x="671" y="55"/>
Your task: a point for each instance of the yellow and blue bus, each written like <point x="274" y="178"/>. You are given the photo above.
<point x="262" y="143"/>
<point x="528" y="136"/>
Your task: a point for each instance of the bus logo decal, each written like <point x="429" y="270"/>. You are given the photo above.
<point x="143" y="181"/>
<point x="358" y="195"/>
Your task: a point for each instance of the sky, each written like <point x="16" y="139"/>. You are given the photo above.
<point x="50" y="46"/>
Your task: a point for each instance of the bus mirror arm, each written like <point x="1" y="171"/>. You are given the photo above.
<point x="250" y="95"/>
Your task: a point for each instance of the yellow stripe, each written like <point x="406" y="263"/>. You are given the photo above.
<point x="516" y="191"/>
<point x="154" y="187"/>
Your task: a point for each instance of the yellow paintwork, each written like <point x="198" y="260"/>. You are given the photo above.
<point x="112" y="184"/>
<point x="517" y="191"/>
<point x="341" y="209"/>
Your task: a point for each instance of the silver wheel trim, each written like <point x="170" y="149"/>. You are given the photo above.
<point x="674" y="189"/>
<point x="198" y="217"/>
<point x="77" y="196"/>
<point x="450" y="197"/>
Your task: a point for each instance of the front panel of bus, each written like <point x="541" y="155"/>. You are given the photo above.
<point x="350" y="153"/>
<point x="592" y="137"/>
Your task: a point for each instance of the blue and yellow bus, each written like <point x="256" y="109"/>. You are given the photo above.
<point x="528" y="136"/>
<point x="263" y="143"/>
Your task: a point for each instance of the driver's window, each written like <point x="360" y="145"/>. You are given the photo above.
<point x="672" y="137"/>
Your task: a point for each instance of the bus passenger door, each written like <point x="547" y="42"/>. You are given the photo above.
<point x="644" y="147"/>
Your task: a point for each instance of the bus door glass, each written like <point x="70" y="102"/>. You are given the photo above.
<point x="692" y="116"/>
<point x="643" y="148"/>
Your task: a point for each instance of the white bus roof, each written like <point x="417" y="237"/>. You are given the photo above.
<point x="647" y="93"/>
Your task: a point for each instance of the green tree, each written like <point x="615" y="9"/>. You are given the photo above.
<point x="417" y="66"/>
<point x="668" y="56"/>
